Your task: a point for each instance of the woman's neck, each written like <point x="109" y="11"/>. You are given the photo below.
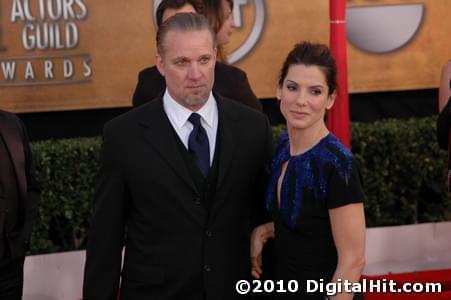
<point x="302" y="140"/>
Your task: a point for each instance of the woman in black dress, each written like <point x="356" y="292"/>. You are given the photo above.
<point x="314" y="193"/>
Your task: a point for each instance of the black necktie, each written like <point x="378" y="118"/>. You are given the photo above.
<point x="198" y="144"/>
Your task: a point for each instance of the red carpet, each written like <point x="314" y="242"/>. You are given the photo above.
<point x="439" y="276"/>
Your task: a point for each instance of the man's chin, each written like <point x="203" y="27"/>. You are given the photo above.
<point x="196" y="100"/>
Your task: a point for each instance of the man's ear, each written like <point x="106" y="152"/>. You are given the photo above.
<point x="215" y="52"/>
<point x="160" y="65"/>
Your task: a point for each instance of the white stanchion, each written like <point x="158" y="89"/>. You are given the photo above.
<point x="57" y="276"/>
<point x="408" y="248"/>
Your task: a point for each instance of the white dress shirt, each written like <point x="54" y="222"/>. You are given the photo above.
<point x="178" y="116"/>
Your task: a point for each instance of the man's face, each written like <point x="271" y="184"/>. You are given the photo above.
<point x="187" y="63"/>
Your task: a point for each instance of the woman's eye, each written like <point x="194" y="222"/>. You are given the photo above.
<point x="316" y="92"/>
<point x="291" y="87"/>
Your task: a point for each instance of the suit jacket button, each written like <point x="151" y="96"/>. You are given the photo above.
<point x="197" y="201"/>
<point x="207" y="268"/>
<point x="208" y="233"/>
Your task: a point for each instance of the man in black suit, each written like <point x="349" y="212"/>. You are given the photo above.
<point x="180" y="184"/>
<point x="231" y="82"/>
<point x="18" y="203"/>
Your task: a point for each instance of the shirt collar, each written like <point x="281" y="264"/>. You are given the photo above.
<point x="179" y="114"/>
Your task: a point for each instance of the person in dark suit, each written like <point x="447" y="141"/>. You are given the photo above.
<point x="180" y="185"/>
<point x="444" y="105"/>
<point x="444" y="116"/>
<point x="19" y="195"/>
<point x="230" y="81"/>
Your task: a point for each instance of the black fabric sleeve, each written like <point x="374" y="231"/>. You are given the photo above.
<point x="343" y="190"/>
<point x="246" y="94"/>
<point x="33" y="189"/>
<point x="444" y="125"/>
<point x="106" y="232"/>
<point x="260" y="215"/>
<point x="150" y="85"/>
<point x="137" y="95"/>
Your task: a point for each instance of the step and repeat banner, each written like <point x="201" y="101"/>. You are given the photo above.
<point x="83" y="54"/>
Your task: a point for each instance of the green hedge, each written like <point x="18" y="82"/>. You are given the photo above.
<point x="402" y="167"/>
<point x="403" y="170"/>
<point x="66" y="171"/>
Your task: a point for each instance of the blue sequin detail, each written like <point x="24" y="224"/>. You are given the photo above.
<point x="302" y="168"/>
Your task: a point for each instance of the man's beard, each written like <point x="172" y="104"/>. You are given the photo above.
<point x="196" y="100"/>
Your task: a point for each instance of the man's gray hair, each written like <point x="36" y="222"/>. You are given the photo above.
<point x="183" y="22"/>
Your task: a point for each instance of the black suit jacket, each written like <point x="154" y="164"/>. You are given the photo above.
<point x="230" y="82"/>
<point x="174" y="249"/>
<point x="444" y="126"/>
<point x="16" y="140"/>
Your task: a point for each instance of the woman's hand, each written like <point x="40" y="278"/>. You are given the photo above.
<point x="259" y="237"/>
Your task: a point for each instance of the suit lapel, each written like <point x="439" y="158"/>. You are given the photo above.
<point x="226" y="142"/>
<point x="14" y="145"/>
<point x="226" y="153"/>
<point x="158" y="133"/>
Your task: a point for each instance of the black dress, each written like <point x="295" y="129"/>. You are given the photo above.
<point x="325" y="177"/>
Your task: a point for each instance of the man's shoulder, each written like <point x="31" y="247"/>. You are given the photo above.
<point x="7" y="114"/>
<point x="228" y="70"/>
<point x="149" y="72"/>
<point x="247" y="124"/>
<point x="150" y="84"/>
<point x="134" y="116"/>
<point x="10" y="117"/>
<point x="239" y="110"/>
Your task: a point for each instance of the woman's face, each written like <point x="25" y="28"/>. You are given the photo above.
<point x="304" y="97"/>
<point x="225" y="32"/>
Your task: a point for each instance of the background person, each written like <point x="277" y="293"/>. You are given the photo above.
<point x="444" y="104"/>
<point x="220" y="17"/>
<point x="230" y="82"/>
<point x="19" y="194"/>
<point x="444" y="117"/>
<point x="184" y="175"/>
<point x="444" y="92"/>
<point x="314" y="192"/>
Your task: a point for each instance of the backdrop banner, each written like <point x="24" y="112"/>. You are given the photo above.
<point x="84" y="54"/>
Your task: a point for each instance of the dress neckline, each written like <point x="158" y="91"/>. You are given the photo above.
<point x="311" y="149"/>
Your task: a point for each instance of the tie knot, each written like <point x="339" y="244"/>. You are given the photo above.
<point x="194" y="119"/>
